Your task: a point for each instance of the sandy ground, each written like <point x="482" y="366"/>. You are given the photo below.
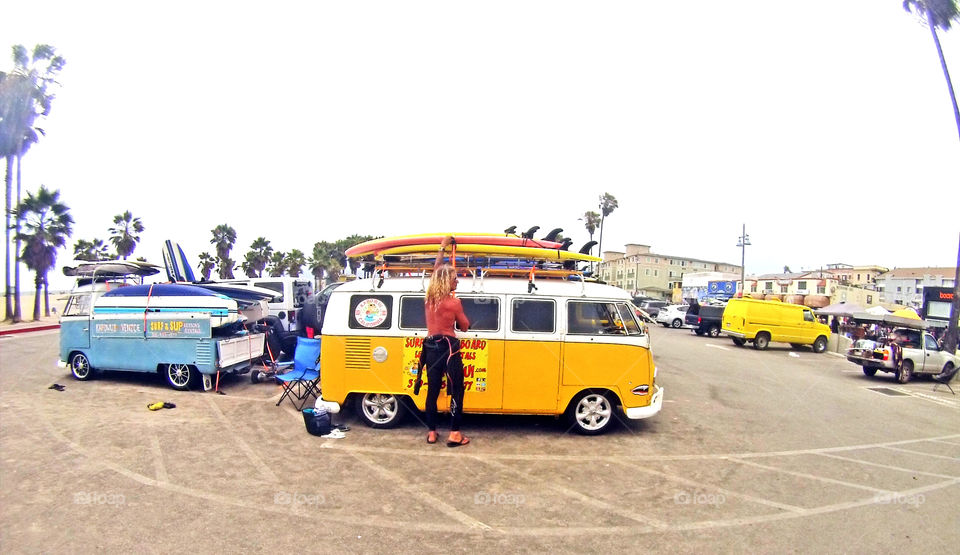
<point x="772" y="452"/>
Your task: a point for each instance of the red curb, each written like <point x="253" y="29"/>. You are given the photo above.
<point x="29" y="329"/>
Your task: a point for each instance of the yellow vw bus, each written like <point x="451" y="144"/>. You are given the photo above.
<point x="564" y="347"/>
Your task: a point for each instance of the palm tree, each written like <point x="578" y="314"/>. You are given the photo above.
<point x="295" y="261"/>
<point x="259" y="255"/>
<point x="591" y="220"/>
<point x="324" y="261"/>
<point x="90" y="250"/>
<point x="248" y="266"/>
<point x="939" y="14"/>
<point x="224" y="237"/>
<point x="278" y="264"/>
<point x="607" y="205"/>
<point x="24" y="96"/>
<point x="341" y="246"/>
<point x="47" y="224"/>
<point x="207" y="264"/>
<point x="123" y="236"/>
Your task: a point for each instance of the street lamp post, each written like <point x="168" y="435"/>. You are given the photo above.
<point x="742" y="242"/>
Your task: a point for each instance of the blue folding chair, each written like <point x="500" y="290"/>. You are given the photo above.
<point x="304" y="380"/>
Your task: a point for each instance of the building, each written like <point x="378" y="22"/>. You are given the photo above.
<point x="857" y="276"/>
<point x="647" y="274"/>
<point x="904" y="286"/>
<point x="814" y="288"/>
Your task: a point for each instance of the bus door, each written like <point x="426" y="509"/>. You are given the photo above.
<point x="532" y="355"/>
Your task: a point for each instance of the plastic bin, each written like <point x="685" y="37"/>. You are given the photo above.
<point x="316" y="421"/>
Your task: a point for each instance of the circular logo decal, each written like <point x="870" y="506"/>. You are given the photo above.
<point x="370" y="313"/>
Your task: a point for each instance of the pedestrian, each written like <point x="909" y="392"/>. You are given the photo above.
<point x="835" y="324"/>
<point x="440" y="356"/>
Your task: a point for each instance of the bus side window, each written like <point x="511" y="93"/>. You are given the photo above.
<point x="593" y="318"/>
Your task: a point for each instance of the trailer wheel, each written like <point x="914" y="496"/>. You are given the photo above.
<point x="738" y="342"/>
<point x="869" y="371"/>
<point x="179" y="376"/>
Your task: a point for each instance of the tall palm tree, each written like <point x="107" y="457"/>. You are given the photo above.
<point x="90" y="250"/>
<point x="24" y="96"/>
<point x="124" y="236"/>
<point x="608" y="203"/>
<point x="278" y="264"/>
<point x="939" y="14"/>
<point x="47" y="224"/>
<point x="207" y="264"/>
<point x="295" y="262"/>
<point x="260" y="251"/>
<point x="224" y="237"/>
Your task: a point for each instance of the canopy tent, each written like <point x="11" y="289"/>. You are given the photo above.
<point x="840" y="309"/>
<point x="890" y="320"/>
<point x="907" y="313"/>
<point x="878" y="310"/>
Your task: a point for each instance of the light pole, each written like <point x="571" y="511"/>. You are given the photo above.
<point x="742" y="242"/>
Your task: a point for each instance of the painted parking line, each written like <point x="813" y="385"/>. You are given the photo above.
<point x="716" y="346"/>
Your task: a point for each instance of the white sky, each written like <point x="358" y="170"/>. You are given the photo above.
<point x="825" y="126"/>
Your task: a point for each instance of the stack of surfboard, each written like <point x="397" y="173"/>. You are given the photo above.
<point x="476" y="250"/>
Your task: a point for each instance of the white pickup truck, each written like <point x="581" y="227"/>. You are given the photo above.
<point x="921" y="355"/>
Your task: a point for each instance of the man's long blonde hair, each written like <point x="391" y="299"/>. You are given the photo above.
<point x="439" y="287"/>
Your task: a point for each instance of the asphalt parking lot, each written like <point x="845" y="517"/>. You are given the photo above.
<point x="769" y="451"/>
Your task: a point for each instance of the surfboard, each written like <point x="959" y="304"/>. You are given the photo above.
<point x="377" y="245"/>
<point x="498" y="251"/>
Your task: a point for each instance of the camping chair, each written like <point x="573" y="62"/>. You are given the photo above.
<point x="943" y="378"/>
<point x="304" y="380"/>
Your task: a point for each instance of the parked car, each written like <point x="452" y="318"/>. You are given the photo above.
<point x="764" y="321"/>
<point x="652" y="307"/>
<point x="705" y="319"/>
<point x="921" y="355"/>
<point x="672" y="316"/>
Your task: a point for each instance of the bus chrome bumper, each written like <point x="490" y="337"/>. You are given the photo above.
<point x="656" y="403"/>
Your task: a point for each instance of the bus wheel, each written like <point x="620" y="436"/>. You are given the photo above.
<point x="591" y="413"/>
<point x="906" y="370"/>
<point x="761" y="341"/>
<point x="380" y="410"/>
<point x="179" y="376"/>
<point x="80" y="367"/>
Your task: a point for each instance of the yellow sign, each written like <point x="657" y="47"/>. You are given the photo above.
<point x="475" y="357"/>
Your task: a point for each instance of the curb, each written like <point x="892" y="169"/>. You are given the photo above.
<point x="29" y="329"/>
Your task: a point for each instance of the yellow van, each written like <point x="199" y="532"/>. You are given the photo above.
<point x="564" y="347"/>
<point x="765" y="321"/>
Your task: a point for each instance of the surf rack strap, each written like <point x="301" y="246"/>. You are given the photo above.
<point x="385" y="270"/>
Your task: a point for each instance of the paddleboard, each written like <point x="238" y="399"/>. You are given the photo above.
<point x="110" y="268"/>
<point x="498" y="251"/>
<point x="377" y="245"/>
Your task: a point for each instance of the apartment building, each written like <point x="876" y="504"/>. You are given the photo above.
<point x="645" y="273"/>
<point x="904" y="286"/>
<point x="857" y="276"/>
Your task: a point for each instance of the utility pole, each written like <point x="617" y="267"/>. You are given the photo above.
<point x="742" y="242"/>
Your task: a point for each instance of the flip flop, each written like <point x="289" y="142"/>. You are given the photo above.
<point x="464" y="440"/>
<point x="434" y="437"/>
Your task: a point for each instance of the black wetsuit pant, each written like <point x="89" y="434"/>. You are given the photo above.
<point x="441" y="357"/>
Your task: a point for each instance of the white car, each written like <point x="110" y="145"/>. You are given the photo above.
<point x="672" y="316"/>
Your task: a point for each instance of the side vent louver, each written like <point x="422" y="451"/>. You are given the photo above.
<point x="358" y="354"/>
